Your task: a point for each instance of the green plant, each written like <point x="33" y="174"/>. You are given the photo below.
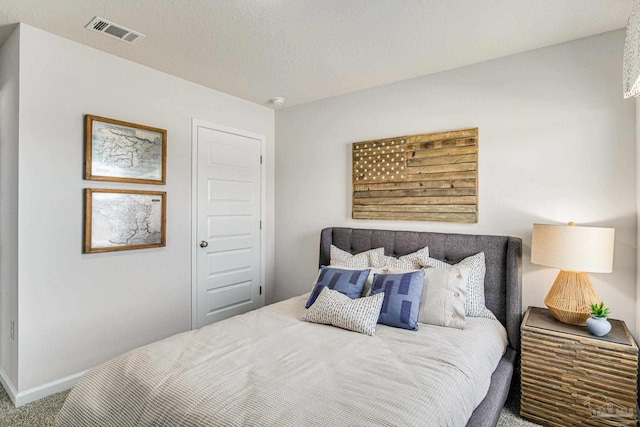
<point x="599" y="310"/>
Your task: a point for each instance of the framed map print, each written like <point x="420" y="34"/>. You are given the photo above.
<point x="118" y="220"/>
<point x="124" y="152"/>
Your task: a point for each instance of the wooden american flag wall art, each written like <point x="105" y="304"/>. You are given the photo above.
<point x="427" y="177"/>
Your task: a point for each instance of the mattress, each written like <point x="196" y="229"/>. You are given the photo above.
<point x="268" y="368"/>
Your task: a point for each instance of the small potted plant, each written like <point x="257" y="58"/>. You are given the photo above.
<point x="598" y="324"/>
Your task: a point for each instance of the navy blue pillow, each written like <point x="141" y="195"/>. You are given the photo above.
<point x="348" y="282"/>
<point x="402" y="294"/>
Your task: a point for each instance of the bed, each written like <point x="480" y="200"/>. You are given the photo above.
<point x="267" y="367"/>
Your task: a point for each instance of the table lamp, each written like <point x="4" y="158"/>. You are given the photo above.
<point x="576" y="251"/>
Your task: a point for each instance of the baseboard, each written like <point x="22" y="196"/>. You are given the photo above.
<point x="8" y="385"/>
<point x="36" y="393"/>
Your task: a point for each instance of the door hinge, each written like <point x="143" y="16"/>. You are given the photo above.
<point x="260" y="290"/>
<point x="260" y="159"/>
<point x="260" y="225"/>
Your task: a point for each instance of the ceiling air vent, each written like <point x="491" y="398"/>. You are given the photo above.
<point x="117" y="31"/>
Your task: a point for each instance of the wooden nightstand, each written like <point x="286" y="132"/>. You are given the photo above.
<point x="572" y="378"/>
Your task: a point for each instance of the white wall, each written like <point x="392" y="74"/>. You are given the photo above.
<point x="9" y="113"/>
<point x="556" y="144"/>
<point x="78" y="310"/>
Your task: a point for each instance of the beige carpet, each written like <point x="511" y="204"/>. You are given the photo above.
<point x="36" y="414"/>
<point x="43" y="412"/>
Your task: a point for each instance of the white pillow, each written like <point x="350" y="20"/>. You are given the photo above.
<point x="358" y="315"/>
<point x="474" y="304"/>
<point x="340" y="258"/>
<point x="443" y="297"/>
<point x="413" y="261"/>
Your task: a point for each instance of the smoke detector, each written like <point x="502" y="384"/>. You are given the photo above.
<point x="117" y="31"/>
<point x="277" y="100"/>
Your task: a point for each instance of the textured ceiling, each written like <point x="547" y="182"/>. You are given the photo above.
<point x="305" y="50"/>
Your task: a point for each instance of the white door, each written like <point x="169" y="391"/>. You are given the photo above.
<point x="228" y="223"/>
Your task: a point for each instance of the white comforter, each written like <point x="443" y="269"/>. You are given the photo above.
<point x="268" y="368"/>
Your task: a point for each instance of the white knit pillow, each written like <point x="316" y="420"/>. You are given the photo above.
<point x="443" y="297"/>
<point x="474" y="305"/>
<point x="340" y="258"/>
<point x="413" y="261"/>
<point x="333" y="308"/>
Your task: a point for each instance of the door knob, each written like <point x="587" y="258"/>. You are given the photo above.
<point x="204" y="244"/>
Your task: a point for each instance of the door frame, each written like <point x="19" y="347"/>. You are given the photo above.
<point x="195" y="124"/>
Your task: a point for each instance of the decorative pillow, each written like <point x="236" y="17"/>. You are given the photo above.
<point x="402" y="293"/>
<point x="340" y="258"/>
<point x="333" y="308"/>
<point x="413" y="261"/>
<point x="443" y="297"/>
<point x="366" y="291"/>
<point x="474" y="304"/>
<point x="348" y="282"/>
<point x="367" y="285"/>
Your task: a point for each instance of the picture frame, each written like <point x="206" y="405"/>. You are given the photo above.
<point x="120" y="151"/>
<point x="118" y="220"/>
<point x="425" y="177"/>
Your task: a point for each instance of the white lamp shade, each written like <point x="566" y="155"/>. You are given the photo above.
<point x="573" y="248"/>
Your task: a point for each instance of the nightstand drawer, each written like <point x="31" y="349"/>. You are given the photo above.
<point x="576" y="379"/>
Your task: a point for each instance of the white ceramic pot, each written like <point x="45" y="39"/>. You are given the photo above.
<point x="598" y="326"/>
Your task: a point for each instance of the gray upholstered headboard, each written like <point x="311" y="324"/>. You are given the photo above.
<point x="503" y="254"/>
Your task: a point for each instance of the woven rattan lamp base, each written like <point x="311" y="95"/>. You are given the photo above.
<point x="570" y="297"/>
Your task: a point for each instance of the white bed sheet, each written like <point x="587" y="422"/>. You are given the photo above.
<point x="268" y="368"/>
